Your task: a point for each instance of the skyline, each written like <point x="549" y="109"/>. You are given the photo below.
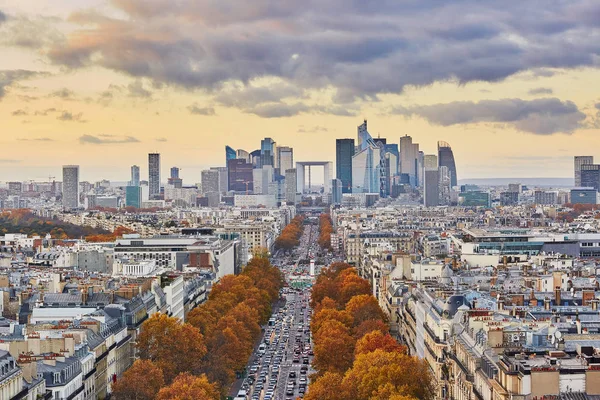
<point x="498" y="85"/>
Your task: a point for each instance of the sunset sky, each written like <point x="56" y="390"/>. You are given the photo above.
<point x="513" y="85"/>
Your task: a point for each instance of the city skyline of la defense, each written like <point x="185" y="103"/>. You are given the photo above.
<point x="497" y="85"/>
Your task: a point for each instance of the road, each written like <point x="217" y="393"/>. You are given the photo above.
<point x="279" y="367"/>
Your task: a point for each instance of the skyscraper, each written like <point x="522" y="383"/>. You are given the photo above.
<point x="291" y="185"/>
<point x="344" y="150"/>
<point x="267" y="152"/>
<point x="70" y="197"/>
<point x="579" y="161"/>
<point x="590" y="176"/>
<point x="133" y="196"/>
<point x="367" y="165"/>
<point x="285" y="159"/>
<point x="446" y="159"/>
<point x="230" y="154"/>
<point x="409" y="153"/>
<point x="336" y="191"/>
<point x="174" y="179"/>
<point x="431" y="182"/>
<point x="135" y="176"/>
<point x="240" y="175"/>
<point x="223" y="179"/>
<point x="154" y="175"/>
<point x="210" y="181"/>
<point x="174" y="172"/>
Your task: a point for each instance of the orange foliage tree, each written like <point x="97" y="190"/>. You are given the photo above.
<point x="231" y="318"/>
<point x="174" y="347"/>
<point x="290" y="235"/>
<point x="142" y="380"/>
<point x="355" y="356"/>
<point x="189" y="387"/>
<point x="325" y="231"/>
<point x="109" y="237"/>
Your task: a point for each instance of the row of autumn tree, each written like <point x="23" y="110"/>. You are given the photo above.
<point x="198" y="360"/>
<point x="355" y="356"/>
<point x="325" y="231"/>
<point x="290" y="235"/>
<point x="24" y="221"/>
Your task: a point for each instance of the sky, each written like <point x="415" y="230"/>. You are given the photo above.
<point x="512" y="85"/>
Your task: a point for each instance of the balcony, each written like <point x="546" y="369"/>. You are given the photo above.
<point x="469" y="376"/>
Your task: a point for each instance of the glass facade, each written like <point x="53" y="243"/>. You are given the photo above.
<point x="133" y="196"/>
<point x="344" y="150"/>
<point x="230" y="154"/>
<point x="446" y="159"/>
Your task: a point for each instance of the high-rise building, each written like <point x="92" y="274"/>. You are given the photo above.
<point x="240" y="175"/>
<point x="291" y="185"/>
<point x="515" y="187"/>
<point x="174" y="180"/>
<point x="267" y="152"/>
<point x="336" y="191"/>
<point x="223" y="180"/>
<point x="285" y="159"/>
<point x="174" y="172"/>
<point x="445" y="186"/>
<point x="446" y="159"/>
<point x="344" y="150"/>
<point x="546" y="198"/>
<point x="70" y="197"/>
<point x="133" y="196"/>
<point x="154" y="175"/>
<point x="367" y="165"/>
<point x="135" y="176"/>
<point x="230" y="154"/>
<point x="590" y="176"/>
<point x="579" y="161"/>
<point x="409" y="153"/>
<point x="210" y="181"/>
<point x="584" y="195"/>
<point x="244" y="155"/>
<point x="431" y="182"/>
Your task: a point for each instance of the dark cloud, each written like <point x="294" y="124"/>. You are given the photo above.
<point x="541" y="90"/>
<point x="359" y="49"/>
<point x="136" y="89"/>
<point x="107" y="139"/>
<point x="69" y="116"/>
<point x="3" y="17"/>
<point x="194" y="109"/>
<point x="597" y="105"/>
<point x="19" y="113"/>
<point x="10" y="77"/>
<point x="541" y="116"/>
<point x="64" y="93"/>
<point x="278" y="110"/>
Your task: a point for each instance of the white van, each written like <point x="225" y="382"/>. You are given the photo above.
<point x="262" y="348"/>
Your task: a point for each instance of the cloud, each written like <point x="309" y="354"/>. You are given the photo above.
<point x="358" y="49"/>
<point x="278" y="110"/>
<point x="541" y="90"/>
<point x="32" y="32"/>
<point x="314" y="129"/>
<point x="161" y="139"/>
<point x="19" y="113"/>
<point x="10" y="77"/>
<point x="9" y="161"/>
<point x="3" y="17"/>
<point x="45" y="112"/>
<point x="541" y="116"/>
<point x="64" y="93"/>
<point x="41" y="139"/>
<point x="69" y="116"/>
<point x="194" y="109"/>
<point x="107" y="139"/>
<point x="136" y="89"/>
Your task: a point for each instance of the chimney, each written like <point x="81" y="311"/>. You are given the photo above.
<point x="594" y="304"/>
<point x="557" y="300"/>
<point x="500" y="304"/>
<point x="547" y="304"/>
